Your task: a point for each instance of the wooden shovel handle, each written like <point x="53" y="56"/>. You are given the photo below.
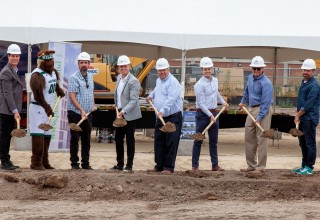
<point x="211" y="123"/>
<point x="157" y="112"/>
<point x="82" y="119"/>
<point x="54" y="107"/>
<point x="18" y="123"/>
<point x="246" y="110"/>
<point x="117" y="112"/>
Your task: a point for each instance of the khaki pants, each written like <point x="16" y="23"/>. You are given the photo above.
<point x="256" y="147"/>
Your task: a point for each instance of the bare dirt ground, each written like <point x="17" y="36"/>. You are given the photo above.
<point x="102" y="194"/>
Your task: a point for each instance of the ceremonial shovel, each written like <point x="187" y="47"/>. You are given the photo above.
<point x="76" y="127"/>
<point x="295" y="132"/>
<point x="47" y="126"/>
<point x="18" y="132"/>
<point x="201" y="136"/>
<point x="269" y="133"/>
<point x="167" y="127"/>
<point x="119" y="122"/>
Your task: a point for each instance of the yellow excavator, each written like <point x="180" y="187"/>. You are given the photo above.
<point x="106" y="80"/>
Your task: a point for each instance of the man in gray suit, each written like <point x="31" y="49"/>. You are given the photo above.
<point x="126" y="100"/>
<point x="10" y="103"/>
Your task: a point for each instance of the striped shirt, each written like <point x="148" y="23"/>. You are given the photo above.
<point x="84" y="95"/>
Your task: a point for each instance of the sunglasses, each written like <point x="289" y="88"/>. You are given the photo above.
<point x="86" y="80"/>
<point x="256" y="68"/>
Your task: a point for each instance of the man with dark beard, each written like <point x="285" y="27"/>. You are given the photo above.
<point x="81" y="102"/>
<point x="44" y="84"/>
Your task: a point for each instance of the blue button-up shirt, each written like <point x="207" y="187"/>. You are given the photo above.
<point x="258" y="91"/>
<point x="308" y="100"/>
<point x="166" y="95"/>
<point x="207" y="94"/>
<point x="84" y="95"/>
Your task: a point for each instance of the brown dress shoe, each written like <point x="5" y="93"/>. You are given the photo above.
<point x="217" y="168"/>
<point x="248" y="169"/>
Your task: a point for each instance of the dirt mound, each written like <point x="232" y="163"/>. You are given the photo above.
<point x="181" y="186"/>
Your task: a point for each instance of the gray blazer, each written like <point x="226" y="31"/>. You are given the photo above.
<point x="10" y="91"/>
<point x="129" y="98"/>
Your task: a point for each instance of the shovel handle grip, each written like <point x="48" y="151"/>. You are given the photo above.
<point x="246" y="110"/>
<point x="297" y="125"/>
<point x="54" y="108"/>
<point x="211" y="123"/>
<point x="82" y="119"/>
<point x="156" y="111"/>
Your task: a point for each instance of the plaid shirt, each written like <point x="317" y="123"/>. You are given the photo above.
<point x="84" y="95"/>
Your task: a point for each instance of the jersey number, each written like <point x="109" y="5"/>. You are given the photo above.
<point x="52" y="88"/>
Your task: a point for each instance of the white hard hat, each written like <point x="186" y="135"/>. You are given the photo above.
<point x="206" y="62"/>
<point x="308" y="64"/>
<point x="162" y="63"/>
<point x="123" y="60"/>
<point x="14" y="49"/>
<point x="84" y="56"/>
<point x="257" y="61"/>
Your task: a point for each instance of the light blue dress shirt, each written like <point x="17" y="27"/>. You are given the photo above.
<point x="166" y="95"/>
<point x="207" y="94"/>
<point x="258" y="91"/>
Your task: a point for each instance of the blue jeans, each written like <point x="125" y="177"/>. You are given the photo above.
<point x="166" y="144"/>
<point x="202" y="121"/>
<point x="307" y="143"/>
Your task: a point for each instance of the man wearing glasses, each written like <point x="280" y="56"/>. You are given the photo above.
<point x="258" y="94"/>
<point x="126" y="99"/>
<point x="81" y="102"/>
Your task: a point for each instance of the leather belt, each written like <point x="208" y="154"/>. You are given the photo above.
<point x="211" y="110"/>
<point x="255" y="106"/>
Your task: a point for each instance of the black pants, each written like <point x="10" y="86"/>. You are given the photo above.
<point x="85" y="135"/>
<point x="166" y="144"/>
<point x="128" y="132"/>
<point x="6" y="127"/>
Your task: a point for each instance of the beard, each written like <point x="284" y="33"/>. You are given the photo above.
<point x="84" y="70"/>
<point x="47" y="66"/>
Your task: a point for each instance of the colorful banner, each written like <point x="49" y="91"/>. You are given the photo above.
<point x="65" y="61"/>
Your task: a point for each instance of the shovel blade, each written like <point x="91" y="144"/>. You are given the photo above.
<point x="295" y="132"/>
<point x="198" y="136"/>
<point x="268" y="133"/>
<point x="19" y="133"/>
<point x="168" y="127"/>
<point x="45" y="127"/>
<point x="74" y="127"/>
<point x="119" y="122"/>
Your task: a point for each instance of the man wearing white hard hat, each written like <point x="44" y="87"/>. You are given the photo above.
<point x="258" y="95"/>
<point x="10" y="104"/>
<point x="307" y="117"/>
<point x="126" y="99"/>
<point x="80" y="103"/>
<point x="167" y="100"/>
<point x="207" y="98"/>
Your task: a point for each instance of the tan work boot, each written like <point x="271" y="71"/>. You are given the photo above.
<point x="248" y="169"/>
<point x="257" y="171"/>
